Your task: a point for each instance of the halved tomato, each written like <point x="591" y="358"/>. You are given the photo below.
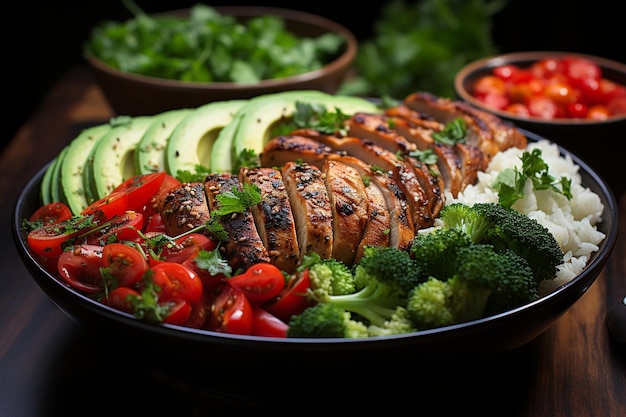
<point x="140" y="189"/>
<point x="115" y="204"/>
<point x="292" y="299"/>
<point x="51" y="213"/>
<point x="125" y="263"/>
<point x="184" y="284"/>
<point x="229" y="311"/>
<point x="261" y="282"/>
<point x="125" y="227"/>
<point x="267" y="324"/>
<point x="80" y="268"/>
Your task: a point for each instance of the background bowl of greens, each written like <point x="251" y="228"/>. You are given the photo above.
<point x="188" y="57"/>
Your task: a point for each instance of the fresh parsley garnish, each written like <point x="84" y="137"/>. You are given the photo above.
<point x="510" y="182"/>
<point x="454" y="132"/>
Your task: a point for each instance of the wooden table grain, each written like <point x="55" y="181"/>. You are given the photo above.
<point x="51" y="366"/>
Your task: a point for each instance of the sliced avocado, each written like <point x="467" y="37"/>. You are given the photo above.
<point x="191" y="141"/>
<point x="150" y="152"/>
<point x="263" y="113"/>
<point x="45" y="187"/>
<point x="221" y="155"/>
<point x="73" y="166"/>
<point x="112" y="160"/>
<point x="55" y="179"/>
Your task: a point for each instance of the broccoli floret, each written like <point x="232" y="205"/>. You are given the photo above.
<point x="325" y="320"/>
<point x="328" y="276"/>
<point x="434" y="250"/>
<point x="485" y="282"/>
<point x="393" y="266"/>
<point x="505" y="228"/>
<point x="399" y="323"/>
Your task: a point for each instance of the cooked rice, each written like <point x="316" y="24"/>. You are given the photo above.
<point x="572" y="222"/>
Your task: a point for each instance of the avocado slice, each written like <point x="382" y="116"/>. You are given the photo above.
<point x="112" y="160"/>
<point x="46" y="187"/>
<point x="150" y="152"/>
<point x="262" y="114"/>
<point x="191" y="141"/>
<point x="55" y="178"/>
<point x="73" y="166"/>
<point x="221" y="155"/>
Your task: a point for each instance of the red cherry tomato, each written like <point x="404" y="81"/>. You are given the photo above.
<point x="80" y="268"/>
<point x="125" y="227"/>
<point x="154" y="224"/>
<point x="178" y="312"/>
<point x="578" y="69"/>
<point x="577" y="110"/>
<point x="543" y="107"/>
<point x="115" y="204"/>
<point x="184" y="284"/>
<point x="518" y="109"/>
<point x="49" y="240"/>
<point x="617" y="105"/>
<point x="140" y="189"/>
<point x="598" y="113"/>
<point x="230" y="311"/>
<point x="267" y="324"/>
<point x="561" y="93"/>
<point x="51" y="213"/>
<point x="125" y="263"/>
<point x="187" y="246"/>
<point x="292" y="299"/>
<point x="489" y="84"/>
<point x="121" y="298"/>
<point x="261" y="282"/>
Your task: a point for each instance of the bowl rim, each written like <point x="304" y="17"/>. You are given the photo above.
<point x="569" y="292"/>
<point x="472" y="69"/>
<point x="341" y="61"/>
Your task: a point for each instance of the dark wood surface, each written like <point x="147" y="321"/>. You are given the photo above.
<point x="51" y="366"/>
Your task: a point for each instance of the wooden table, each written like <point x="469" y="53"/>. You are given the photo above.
<point x="51" y="366"/>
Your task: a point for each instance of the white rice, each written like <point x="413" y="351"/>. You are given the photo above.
<point x="572" y="222"/>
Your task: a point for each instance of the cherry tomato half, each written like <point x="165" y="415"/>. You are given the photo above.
<point x="49" y="240"/>
<point x="229" y="311"/>
<point x="51" y="213"/>
<point x="292" y="299"/>
<point x="124" y="227"/>
<point x="121" y="298"/>
<point x="187" y="246"/>
<point x="261" y="282"/>
<point x="115" y="204"/>
<point x="125" y="263"/>
<point x="80" y="268"/>
<point x="184" y="284"/>
<point x="267" y="324"/>
<point x="140" y="189"/>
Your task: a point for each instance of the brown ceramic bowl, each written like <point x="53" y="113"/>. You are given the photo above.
<point x="132" y="94"/>
<point x="594" y="141"/>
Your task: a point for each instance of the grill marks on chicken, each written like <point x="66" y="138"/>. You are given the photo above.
<point x="273" y="217"/>
<point x="308" y="194"/>
<point x="244" y="246"/>
<point x="486" y="131"/>
<point x="349" y="205"/>
<point x="184" y="208"/>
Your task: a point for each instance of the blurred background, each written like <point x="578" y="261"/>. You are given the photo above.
<point x="46" y="38"/>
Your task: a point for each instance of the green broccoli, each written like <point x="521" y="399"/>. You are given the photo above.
<point x="325" y="320"/>
<point x="328" y="276"/>
<point x="485" y="281"/>
<point x="399" y="323"/>
<point x="388" y="264"/>
<point x="506" y="228"/>
<point x="432" y="250"/>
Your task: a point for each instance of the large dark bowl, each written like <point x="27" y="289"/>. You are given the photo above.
<point x="595" y="141"/>
<point x="134" y="94"/>
<point x="201" y="351"/>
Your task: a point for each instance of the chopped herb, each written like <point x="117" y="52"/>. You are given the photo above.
<point x="454" y="132"/>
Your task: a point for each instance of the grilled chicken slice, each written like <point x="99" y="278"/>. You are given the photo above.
<point x="390" y="222"/>
<point x="432" y="183"/>
<point x="375" y="128"/>
<point x="184" y="208"/>
<point x="244" y="246"/>
<point x="281" y="149"/>
<point x="308" y="196"/>
<point x="378" y="225"/>
<point x="449" y="167"/>
<point x="489" y="133"/>
<point x="415" y="118"/>
<point x="401" y="171"/>
<point x="348" y="202"/>
<point x="401" y="229"/>
<point x="273" y="217"/>
<point x="472" y="161"/>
